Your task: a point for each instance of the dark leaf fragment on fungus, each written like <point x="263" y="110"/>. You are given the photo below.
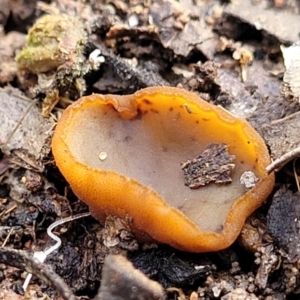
<point x="214" y="164"/>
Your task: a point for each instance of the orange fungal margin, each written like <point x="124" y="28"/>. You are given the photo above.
<point x="122" y="156"/>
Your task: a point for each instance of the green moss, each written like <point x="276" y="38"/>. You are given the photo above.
<point x="53" y="41"/>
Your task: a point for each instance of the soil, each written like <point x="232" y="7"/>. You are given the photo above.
<point x="241" y="55"/>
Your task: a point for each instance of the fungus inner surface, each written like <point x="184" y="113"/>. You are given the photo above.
<point x="149" y="147"/>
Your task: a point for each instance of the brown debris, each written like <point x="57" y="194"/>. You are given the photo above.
<point x="253" y="233"/>
<point x="178" y="29"/>
<point x="22" y="158"/>
<point x="292" y="276"/>
<point x="5" y="10"/>
<point x="22" y="11"/>
<point x="119" y="75"/>
<point x="181" y="295"/>
<point x="10" y="44"/>
<point x="215" y="164"/>
<point x="227" y="287"/>
<point x="120" y="31"/>
<point x="291" y="79"/>
<point x="239" y="294"/>
<point x="117" y="232"/>
<point x="260" y="93"/>
<point x="4" y="165"/>
<point x="33" y="181"/>
<point x="121" y="281"/>
<point x="20" y="259"/>
<point x="262" y="18"/>
<point x="202" y="78"/>
<point x="168" y="268"/>
<point x="283" y="222"/>
<point x="31" y="138"/>
<point x="244" y="56"/>
<point x="268" y="261"/>
<point x="241" y="54"/>
<point x="282" y="135"/>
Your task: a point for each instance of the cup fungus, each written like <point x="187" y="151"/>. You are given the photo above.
<point x="170" y="161"/>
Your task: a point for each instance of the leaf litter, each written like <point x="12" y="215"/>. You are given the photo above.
<point x="142" y="44"/>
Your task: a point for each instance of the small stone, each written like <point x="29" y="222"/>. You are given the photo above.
<point x="103" y="155"/>
<point x="249" y="180"/>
